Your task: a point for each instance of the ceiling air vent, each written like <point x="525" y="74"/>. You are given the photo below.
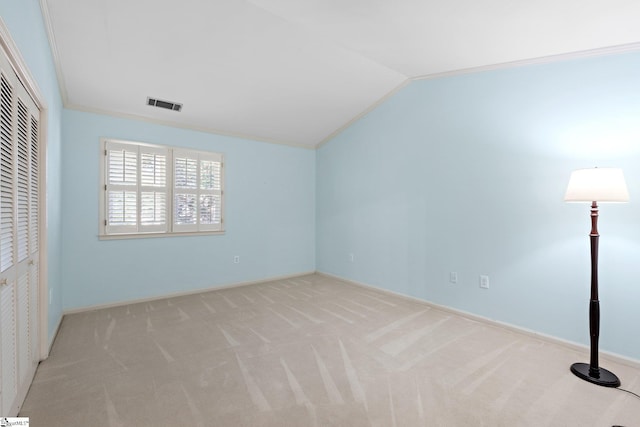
<point x="164" y="104"/>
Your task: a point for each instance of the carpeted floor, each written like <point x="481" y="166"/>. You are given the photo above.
<point x="311" y="351"/>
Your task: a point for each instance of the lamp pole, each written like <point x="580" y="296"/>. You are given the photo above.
<point x="593" y="372"/>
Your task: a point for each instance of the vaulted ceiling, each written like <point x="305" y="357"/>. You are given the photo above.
<point x="298" y="71"/>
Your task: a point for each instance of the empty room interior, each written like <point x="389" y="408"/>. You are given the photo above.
<point x="308" y="213"/>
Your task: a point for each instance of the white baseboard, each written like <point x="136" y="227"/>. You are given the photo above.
<point x="182" y="293"/>
<point x="613" y="357"/>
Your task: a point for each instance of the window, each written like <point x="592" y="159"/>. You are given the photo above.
<point x="151" y="190"/>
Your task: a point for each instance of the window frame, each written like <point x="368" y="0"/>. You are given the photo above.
<point x="139" y="230"/>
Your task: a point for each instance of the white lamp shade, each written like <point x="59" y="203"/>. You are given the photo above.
<point x="597" y="185"/>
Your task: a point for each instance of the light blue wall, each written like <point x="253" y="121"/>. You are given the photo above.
<point x="24" y="20"/>
<point x="467" y="174"/>
<point x="270" y="218"/>
<point x="462" y="174"/>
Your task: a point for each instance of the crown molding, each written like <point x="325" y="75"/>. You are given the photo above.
<point x="253" y="138"/>
<point x="610" y="50"/>
<point x="366" y="111"/>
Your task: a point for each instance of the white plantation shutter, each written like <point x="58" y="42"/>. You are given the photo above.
<point x="197" y="198"/>
<point x="122" y="188"/>
<point x="136" y="188"/>
<point x="210" y="203"/>
<point x="157" y="189"/>
<point x="153" y="189"/>
<point x="185" y="187"/>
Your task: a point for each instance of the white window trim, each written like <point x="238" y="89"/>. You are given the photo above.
<point x="171" y="228"/>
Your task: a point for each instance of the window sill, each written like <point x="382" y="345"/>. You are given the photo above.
<point x="155" y="235"/>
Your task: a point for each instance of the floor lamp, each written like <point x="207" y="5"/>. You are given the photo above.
<point x="595" y="185"/>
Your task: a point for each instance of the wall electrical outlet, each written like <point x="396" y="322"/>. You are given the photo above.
<point x="453" y="277"/>
<point x="236" y="259"/>
<point x="484" y="282"/>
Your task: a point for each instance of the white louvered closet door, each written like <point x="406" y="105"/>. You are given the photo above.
<point x="19" y="235"/>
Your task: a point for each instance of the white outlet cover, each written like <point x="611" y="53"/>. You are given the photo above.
<point x="484" y="282"/>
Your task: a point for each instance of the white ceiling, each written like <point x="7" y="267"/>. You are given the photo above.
<point x="298" y="71"/>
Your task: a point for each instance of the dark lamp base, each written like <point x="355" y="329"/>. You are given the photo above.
<point x="602" y="377"/>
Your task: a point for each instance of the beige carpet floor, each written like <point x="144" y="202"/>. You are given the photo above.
<point x="311" y="351"/>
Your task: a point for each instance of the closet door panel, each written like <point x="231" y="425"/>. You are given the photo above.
<point x="19" y="234"/>
<point x="9" y="343"/>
